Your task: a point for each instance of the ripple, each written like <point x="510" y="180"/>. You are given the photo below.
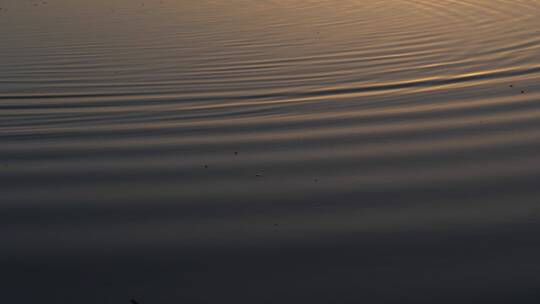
<point x="201" y="129"/>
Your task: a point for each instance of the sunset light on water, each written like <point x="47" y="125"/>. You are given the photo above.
<point x="269" y="151"/>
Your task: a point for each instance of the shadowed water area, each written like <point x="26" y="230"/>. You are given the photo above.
<point x="269" y="151"/>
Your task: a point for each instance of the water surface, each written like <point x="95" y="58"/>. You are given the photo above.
<point x="269" y="151"/>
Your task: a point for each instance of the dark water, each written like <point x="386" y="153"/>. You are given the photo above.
<point x="270" y="151"/>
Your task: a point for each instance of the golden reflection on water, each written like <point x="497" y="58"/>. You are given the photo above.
<point x="294" y="148"/>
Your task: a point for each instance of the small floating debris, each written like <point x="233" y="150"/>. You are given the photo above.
<point x="511" y="85"/>
<point x="316" y="180"/>
<point x="235" y="152"/>
<point x="206" y="166"/>
<point x="134" y="302"/>
<point x="259" y="175"/>
<point x="522" y="92"/>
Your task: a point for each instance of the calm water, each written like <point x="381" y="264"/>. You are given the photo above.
<point x="269" y="151"/>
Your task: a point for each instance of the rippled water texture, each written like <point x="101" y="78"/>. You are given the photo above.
<point x="269" y="151"/>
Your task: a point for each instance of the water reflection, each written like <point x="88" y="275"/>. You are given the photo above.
<point x="269" y="151"/>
